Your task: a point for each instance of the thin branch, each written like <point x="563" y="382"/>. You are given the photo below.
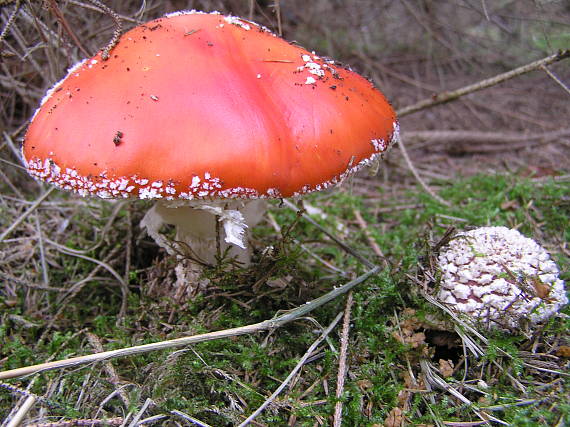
<point x="443" y="97"/>
<point x="266" y="325"/>
<point x="556" y="79"/>
<point x="294" y="372"/>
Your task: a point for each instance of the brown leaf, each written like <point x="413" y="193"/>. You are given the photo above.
<point x="446" y="368"/>
<point x="395" y="418"/>
<point x="364" y="385"/>
<point x="563" y="351"/>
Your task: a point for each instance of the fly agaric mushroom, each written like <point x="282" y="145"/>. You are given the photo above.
<point x="500" y="278"/>
<point x="206" y="113"/>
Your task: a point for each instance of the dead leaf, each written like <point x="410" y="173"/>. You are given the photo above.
<point x="395" y="418"/>
<point x="446" y="368"/>
<point x="563" y="351"/>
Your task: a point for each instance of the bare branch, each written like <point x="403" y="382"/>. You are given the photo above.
<point x="443" y="97"/>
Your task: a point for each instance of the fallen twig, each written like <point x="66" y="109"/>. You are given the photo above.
<point x="416" y="139"/>
<point x="443" y="97"/>
<point x="266" y="325"/>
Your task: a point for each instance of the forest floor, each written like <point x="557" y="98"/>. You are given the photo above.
<point x="78" y="276"/>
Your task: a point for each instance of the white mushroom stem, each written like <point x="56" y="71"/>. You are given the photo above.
<point x="195" y="223"/>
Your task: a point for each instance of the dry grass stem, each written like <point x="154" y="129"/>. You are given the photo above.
<point x="113" y="377"/>
<point x="10" y="21"/>
<point x="330" y="235"/>
<point x="436" y="381"/>
<point x="53" y="7"/>
<point x="416" y="174"/>
<point x="266" y="325"/>
<point x="364" y="227"/>
<point x="116" y="33"/>
<point x="22" y="217"/>
<point x="116" y="421"/>
<point x="22" y="411"/>
<point x="294" y="372"/>
<point x="342" y="366"/>
<point x="187" y="417"/>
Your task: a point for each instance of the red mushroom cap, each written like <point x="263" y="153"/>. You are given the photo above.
<point x="196" y="105"/>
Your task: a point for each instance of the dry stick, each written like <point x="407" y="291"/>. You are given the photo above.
<point x="556" y="79"/>
<point x="293" y="372"/>
<point x="337" y="421"/>
<point x="266" y="325"/>
<point x="417" y="175"/>
<point x="420" y="138"/>
<point x="22" y="217"/>
<point x="24" y="409"/>
<point x="443" y="97"/>
<point x="364" y="227"/>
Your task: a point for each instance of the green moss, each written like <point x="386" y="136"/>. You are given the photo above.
<point x="213" y="381"/>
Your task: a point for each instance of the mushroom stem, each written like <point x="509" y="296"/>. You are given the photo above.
<point x="196" y="227"/>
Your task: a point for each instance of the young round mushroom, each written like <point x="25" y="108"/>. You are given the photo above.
<point x="499" y="278"/>
<point x="208" y="114"/>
